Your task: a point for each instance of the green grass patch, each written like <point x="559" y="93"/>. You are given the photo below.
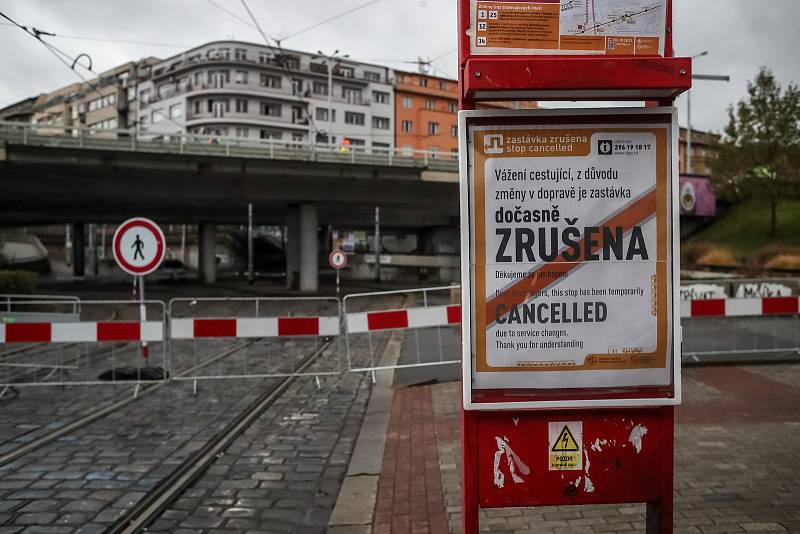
<point x="746" y="231"/>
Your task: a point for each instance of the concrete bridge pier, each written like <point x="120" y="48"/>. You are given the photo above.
<point x="78" y="249"/>
<point x="292" y="247"/>
<point x="207" y="258"/>
<point x="309" y="248"/>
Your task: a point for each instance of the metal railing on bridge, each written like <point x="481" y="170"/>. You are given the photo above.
<point x="132" y="140"/>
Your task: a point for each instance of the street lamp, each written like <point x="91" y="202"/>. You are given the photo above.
<point x="329" y="59"/>
<point x="713" y="77"/>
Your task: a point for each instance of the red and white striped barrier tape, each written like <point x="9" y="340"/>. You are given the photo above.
<point x="81" y="332"/>
<point x="739" y="307"/>
<point x="254" y="327"/>
<point x="361" y="322"/>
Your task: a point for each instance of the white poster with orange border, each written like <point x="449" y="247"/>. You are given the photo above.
<point x="570" y="244"/>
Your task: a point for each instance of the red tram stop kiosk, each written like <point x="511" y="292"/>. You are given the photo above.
<point x="571" y="330"/>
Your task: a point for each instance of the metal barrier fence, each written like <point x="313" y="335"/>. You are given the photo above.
<point x="433" y="314"/>
<point x="104" y="343"/>
<point x="722" y="327"/>
<point x="68" y="136"/>
<point x="13" y="308"/>
<point x="268" y="340"/>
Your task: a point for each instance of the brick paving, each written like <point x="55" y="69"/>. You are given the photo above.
<point x="737" y="459"/>
<point x="409" y="490"/>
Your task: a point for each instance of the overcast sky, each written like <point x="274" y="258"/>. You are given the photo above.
<point x="740" y="36"/>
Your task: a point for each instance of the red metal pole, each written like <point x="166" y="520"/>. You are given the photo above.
<point x="469" y="472"/>
<point x="659" y="513"/>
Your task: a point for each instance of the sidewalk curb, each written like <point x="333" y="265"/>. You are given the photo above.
<point x="355" y="505"/>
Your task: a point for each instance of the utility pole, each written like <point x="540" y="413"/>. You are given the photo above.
<point x="712" y="77"/>
<point x="329" y="61"/>
<point x="250" y="273"/>
<point x="377" y="244"/>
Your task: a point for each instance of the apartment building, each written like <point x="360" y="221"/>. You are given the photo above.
<point x="250" y="91"/>
<point x="107" y="102"/>
<point x="426" y="109"/>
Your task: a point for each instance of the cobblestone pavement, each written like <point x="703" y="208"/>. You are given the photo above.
<point x="737" y="461"/>
<point x="283" y="474"/>
<point x="85" y="480"/>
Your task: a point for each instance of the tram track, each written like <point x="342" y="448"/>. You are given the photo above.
<point x="152" y="505"/>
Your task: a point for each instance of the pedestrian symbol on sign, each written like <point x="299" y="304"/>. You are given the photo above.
<point x="138" y="244"/>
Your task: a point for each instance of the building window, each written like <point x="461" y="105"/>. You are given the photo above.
<point x="344" y="72"/>
<point x="372" y="76"/>
<point x="241" y="105"/>
<point x="408" y="126"/>
<point x="240" y="54"/>
<point x="423" y="82"/>
<point x="320" y="88"/>
<point x="351" y="95"/>
<point x="434" y="151"/>
<point x="175" y="111"/>
<point x="297" y="87"/>
<point x="270" y="81"/>
<point x="452" y="107"/>
<point x="242" y="132"/>
<point x="408" y="102"/>
<point x="321" y="114"/>
<point x="270" y="109"/>
<point x="263" y="57"/>
<point x="131" y="93"/>
<point x="197" y="104"/>
<point x="443" y="85"/>
<point x="351" y="117"/>
<point x="156" y="116"/>
<point x="380" y="97"/>
<point x="381" y="148"/>
<point x="269" y="134"/>
<point x="224" y="53"/>
<point x="433" y="128"/>
<point x="240" y="76"/>
<point x="322" y="138"/>
<point x="198" y="78"/>
<point x="290" y="62"/>
<point x="165" y="91"/>
<point x="454" y="131"/>
<point x="380" y="123"/>
<point x="357" y="142"/>
<point x="144" y="96"/>
<point x="297" y="137"/>
<point x="430" y="104"/>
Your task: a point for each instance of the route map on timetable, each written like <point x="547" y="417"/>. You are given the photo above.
<point x="636" y="18"/>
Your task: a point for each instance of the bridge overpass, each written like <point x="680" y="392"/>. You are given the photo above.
<point x="75" y="175"/>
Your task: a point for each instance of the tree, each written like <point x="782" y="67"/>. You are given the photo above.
<point x="759" y="155"/>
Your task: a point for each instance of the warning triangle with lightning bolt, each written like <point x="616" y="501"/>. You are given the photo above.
<point x="566" y="442"/>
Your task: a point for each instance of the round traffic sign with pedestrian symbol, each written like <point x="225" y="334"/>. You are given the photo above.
<point x="139" y="246"/>
<point x="338" y="259"/>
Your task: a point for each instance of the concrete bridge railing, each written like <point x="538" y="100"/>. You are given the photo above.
<point x="210" y="145"/>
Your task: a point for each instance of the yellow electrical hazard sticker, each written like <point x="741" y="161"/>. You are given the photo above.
<point x="565" y="445"/>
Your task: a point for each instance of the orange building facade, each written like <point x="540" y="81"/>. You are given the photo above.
<point x="426" y="113"/>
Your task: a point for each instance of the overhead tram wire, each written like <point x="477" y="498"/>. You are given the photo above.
<point x="63" y="56"/>
<point x="330" y="19"/>
<point x="283" y="66"/>
<point x="109" y="39"/>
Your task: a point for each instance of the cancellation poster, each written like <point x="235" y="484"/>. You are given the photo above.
<point x="570" y="267"/>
